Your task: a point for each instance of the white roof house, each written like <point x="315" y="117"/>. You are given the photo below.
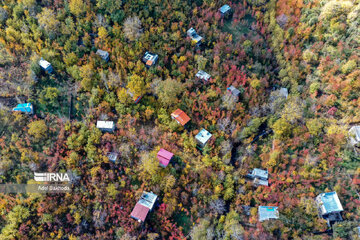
<point x="267" y="213"/>
<point x="354" y="133"/>
<point x="194" y="36"/>
<point x="259" y="176"/>
<point x="103" y="54"/>
<point x="202" y="137"/>
<point x="45" y="65"/>
<point x="203" y="75"/>
<point x="150" y="59"/>
<point x="329" y="203"/>
<point x="107" y="126"/>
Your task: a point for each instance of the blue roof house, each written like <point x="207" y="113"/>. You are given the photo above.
<point x="203" y="137"/>
<point x="329" y="207"/>
<point x="24" y="108"/>
<point x="225" y="11"/>
<point x="267" y="213"/>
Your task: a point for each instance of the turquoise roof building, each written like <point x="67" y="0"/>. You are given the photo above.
<point x="24" y="108"/>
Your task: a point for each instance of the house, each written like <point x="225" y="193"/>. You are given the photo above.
<point x="329" y="207"/>
<point x="195" y="38"/>
<point x="143" y="206"/>
<point x="233" y="91"/>
<point x="267" y="213"/>
<point x="106" y="126"/>
<point x="225" y="11"/>
<point x="180" y="117"/>
<point x="354" y="133"/>
<point x="24" y="108"/>
<point x="259" y="176"/>
<point x="103" y="54"/>
<point x="113" y="156"/>
<point x="284" y="92"/>
<point x="203" y="75"/>
<point x="45" y="65"/>
<point x="164" y="157"/>
<point x="203" y="137"/>
<point x="150" y="59"/>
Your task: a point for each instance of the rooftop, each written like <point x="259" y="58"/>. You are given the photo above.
<point x="150" y="58"/>
<point x="24" y="107"/>
<point x="148" y="199"/>
<point x="105" y="124"/>
<point x="103" y="54"/>
<point x="44" y="64"/>
<point x="329" y="203"/>
<point x="203" y="136"/>
<point x="139" y="212"/>
<point x="164" y="157"/>
<point x="225" y="8"/>
<point x="354" y="135"/>
<point x="180" y="117"/>
<point x="266" y="213"/>
<point x="260" y="173"/>
<point x="193" y="35"/>
<point x="284" y="92"/>
<point x="234" y="91"/>
<point x="203" y="75"/>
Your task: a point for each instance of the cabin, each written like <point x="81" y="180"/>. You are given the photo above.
<point x="233" y="91"/>
<point x="354" y="138"/>
<point x="267" y="213"/>
<point x="103" y="54"/>
<point x="225" y="11"/>
<point x="24" y="108"/>
<point x="284" y="92"/>
<point x="259" y="176"/>
<point x="144" y="206"/>
<point x="203" y="75"/>
<point x="105" y="126"/>
<point x="329" y="207"/>
<point x="180" y="117"/>
<point x="112" y="156"/>
<point x="203" y="137"/>
<point x="150" y="59"/>
<point x="164" y="157"/>
<point x="195" y="38"/>
<point x="45" y="65"/>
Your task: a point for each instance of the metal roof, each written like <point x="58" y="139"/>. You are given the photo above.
<point x="329" y="203"/>
<point x="225" y="8"/>
<point x="203" y="75"/>
<point x="164" y="157"/>
<point x="193" y="35"/>
<point x="234" y="91"/>
<point x="105" y="124"/>
<point x="284" y="92"/>
<point x="203" y="136"/>
<point x="260" y="173"/>
<point x="266" y="213"/>
<point x="148" y="199"/>
<point x="354" y="135"/>
<point x="24" y="107"/>
<point x="103" y="54"/>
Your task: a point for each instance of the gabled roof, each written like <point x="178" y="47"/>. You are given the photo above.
<point x="203" y="136"/>
<point x="234" y="91"/>
<point x="24" y="107"/>
<point x="139" y="212"/>
<point x="225" y="8"/>
<point x="354" y="135"/>
<point x="193" y="35"/>
<point x="266" y="213"/>
<point x="203" y="75"/>
<point x="329" y="203"/>
<point x="164" y="157"/>
<point x="180" y="117"/>
<point x="148" y="199"/>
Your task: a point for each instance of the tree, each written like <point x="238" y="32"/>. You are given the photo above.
<point x="77" y="7"/>
<point x="132" y="28"/>
<point x="168" y="91"/>
<point x="38" y="130"/>
<point x="47" y="21"/>
<point x="136" y="85"/>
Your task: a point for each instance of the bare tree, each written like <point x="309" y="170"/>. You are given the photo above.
<point x="218" y="206"/>
<point x="132" y="28"/>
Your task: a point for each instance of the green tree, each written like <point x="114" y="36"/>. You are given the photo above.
<point x="168" y="91"/>
<point x="38" y="130"/>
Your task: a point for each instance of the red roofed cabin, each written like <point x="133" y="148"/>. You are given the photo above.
<point x="164" y="157"/>
<point x="144" y="206"/>
<point x="180" y="117"/>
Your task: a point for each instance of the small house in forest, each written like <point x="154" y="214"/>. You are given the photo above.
<point x="150" y="59"/>
<point x="45" y="65"/>
<point x="180" y="117"/>
<point x="267" y="213"/>
<point x="164" y="157"/>
<point x="284" y="92"/>
<point x="203" y="75"/>
<point x="225" y="11"/>
<point x="233" y="91"/>
<point x="354" y="138"/>
<point x="329" y="207"/>
<point x="144" y="206"/>
<point x="105" y="126"/>
<point x="259" y="176"/>
<point x="112" y="156"/>
<point x="195" y="38"/>
<point x="103" y="54"/>
<point x="203" y="137"/>
<point x="24" y="108"/>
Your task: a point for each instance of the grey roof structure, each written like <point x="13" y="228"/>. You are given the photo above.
<point x="284" y="92"/>
<point x="203" y="75"/>
<point x="234" y="91"/>
<point x="194" y="36"/>
<point x="354" y="133"/>
<point x="267" y="213"/>
<point x="103" y="54"/>
<point x="148" y="199"/>
<point x="260" y="173"/>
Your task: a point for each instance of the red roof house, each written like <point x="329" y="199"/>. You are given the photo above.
<point x="164" y="157"/>
<point x="180" y="117"/>
<point x="139" y="212"/>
